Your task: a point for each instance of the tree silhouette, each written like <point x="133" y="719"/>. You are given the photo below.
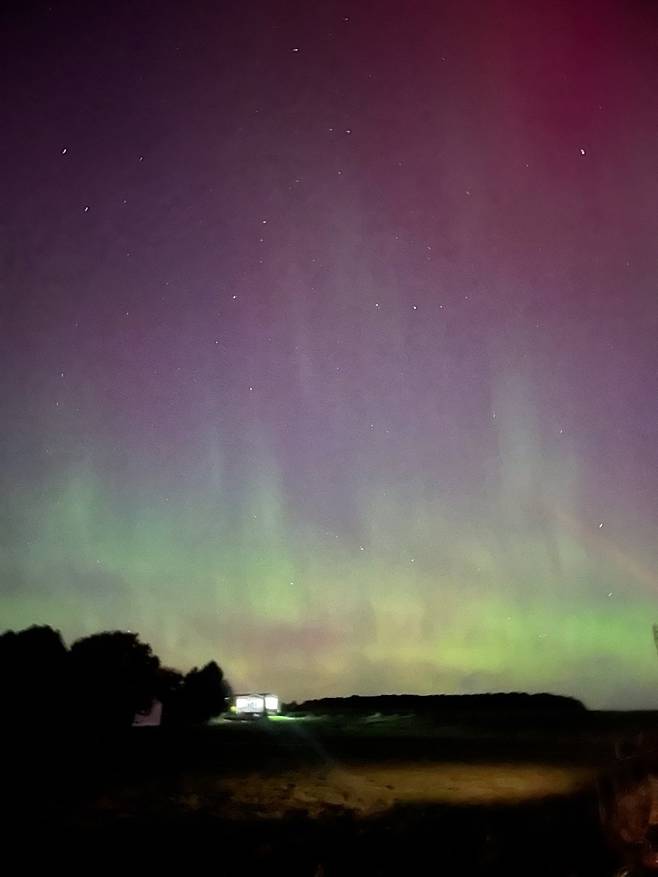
<point x="113" y="676"/>
<point x="203" y="695"/>
<point x="33" y="675"/>
<point x="104" y="680"/>
<point x="168" y="691"/>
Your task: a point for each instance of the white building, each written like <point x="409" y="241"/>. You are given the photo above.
<point x="255" y="705"/>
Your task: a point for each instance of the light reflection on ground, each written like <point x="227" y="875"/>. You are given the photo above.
<point x="366" y="789"/>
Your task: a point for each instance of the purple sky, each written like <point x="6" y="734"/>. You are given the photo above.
<point x="329" y="339"/>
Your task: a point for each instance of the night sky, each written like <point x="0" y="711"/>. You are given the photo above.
<point x="329" y="339"/>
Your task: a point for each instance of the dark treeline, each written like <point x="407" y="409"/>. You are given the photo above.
<point x="103" y="680"/>
<point x="434" y="704"/>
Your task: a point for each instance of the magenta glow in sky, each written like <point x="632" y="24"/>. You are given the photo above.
<point x="329" y="340"/>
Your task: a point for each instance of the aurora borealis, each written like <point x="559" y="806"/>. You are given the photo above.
<point x="329" y="340"/>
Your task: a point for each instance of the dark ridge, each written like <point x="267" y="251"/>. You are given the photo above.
<point x="441" y="703"/>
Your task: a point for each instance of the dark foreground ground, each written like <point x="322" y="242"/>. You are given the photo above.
<point x="327" y="796"/>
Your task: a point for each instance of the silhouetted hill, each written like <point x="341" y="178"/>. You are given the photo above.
<point x="434" y="704"/>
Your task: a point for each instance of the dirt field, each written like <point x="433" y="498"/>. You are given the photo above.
<point x="366" y="789"/>
<point x="319" y="798"/>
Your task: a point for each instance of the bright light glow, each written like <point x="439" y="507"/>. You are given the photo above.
<point x="256" y="704"/>
<point x="249" y="703"/>
<point x="271" y="703"/>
